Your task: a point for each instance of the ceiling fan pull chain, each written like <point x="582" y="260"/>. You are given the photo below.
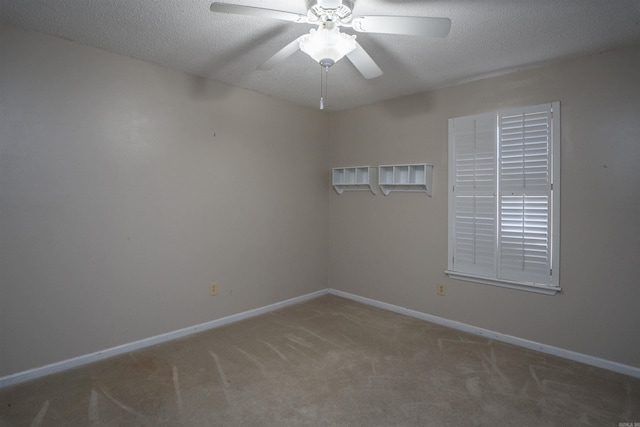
<point x="326" y="81"/>
<point x="324" y="84"/>
<point x="321" y="88"/>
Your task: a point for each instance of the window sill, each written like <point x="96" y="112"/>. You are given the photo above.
<point x="529" y="287"/>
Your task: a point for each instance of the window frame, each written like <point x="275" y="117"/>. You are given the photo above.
<point x="550" y="287"/>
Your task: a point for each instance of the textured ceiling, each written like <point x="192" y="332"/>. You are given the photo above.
<point x="487" y="37"/>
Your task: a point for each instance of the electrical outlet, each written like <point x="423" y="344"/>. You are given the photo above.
<point x="442" y="290"/>
<point x="213" y="290"/>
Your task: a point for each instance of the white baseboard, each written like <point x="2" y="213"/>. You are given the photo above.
<point x="531" y="345"/>
<point x="158" y="339"/>
<point x="146" y="342"/>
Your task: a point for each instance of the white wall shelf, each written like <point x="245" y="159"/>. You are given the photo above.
<point x="413" y="177"/>
<point x="358" y="178"/>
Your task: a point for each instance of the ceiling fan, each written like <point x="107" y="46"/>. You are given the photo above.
<point x="326" y="44"/>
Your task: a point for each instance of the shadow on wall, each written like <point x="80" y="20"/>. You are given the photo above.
<point x="409" y="106"/>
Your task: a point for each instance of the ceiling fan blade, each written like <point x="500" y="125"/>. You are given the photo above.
<point x="407" y="25"/>
<point x="363" y="62"/>
<point x="257" y="11"/>
<point x="281" y="55"/>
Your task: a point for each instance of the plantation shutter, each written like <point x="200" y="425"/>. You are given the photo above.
<point x="473" y="195"/>
<point x="524" y="204"/>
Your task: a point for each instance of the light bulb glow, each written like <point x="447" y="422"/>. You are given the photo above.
<point x="326" y="43"/>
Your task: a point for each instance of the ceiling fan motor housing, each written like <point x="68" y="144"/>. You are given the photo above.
<point x="338" y="11"/>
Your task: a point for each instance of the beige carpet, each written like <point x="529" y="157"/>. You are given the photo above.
<point x="327" y="362"/>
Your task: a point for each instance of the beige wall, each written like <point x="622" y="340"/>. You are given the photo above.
<point x="126" y="188"/>
<point x="394" y="248"/>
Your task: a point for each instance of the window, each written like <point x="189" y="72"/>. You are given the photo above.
<point x="504" y="198"/>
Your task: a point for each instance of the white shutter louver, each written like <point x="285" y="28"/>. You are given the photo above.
<point x="474" y="196"/>
<point x="504" y="198"/>
<point x="524" y="250"/>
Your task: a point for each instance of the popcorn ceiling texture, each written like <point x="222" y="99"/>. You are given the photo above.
<point x="487" y="37"/>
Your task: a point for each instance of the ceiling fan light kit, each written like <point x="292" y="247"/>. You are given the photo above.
<point x="327" y="42"/>
<point x="327" y="45"/>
